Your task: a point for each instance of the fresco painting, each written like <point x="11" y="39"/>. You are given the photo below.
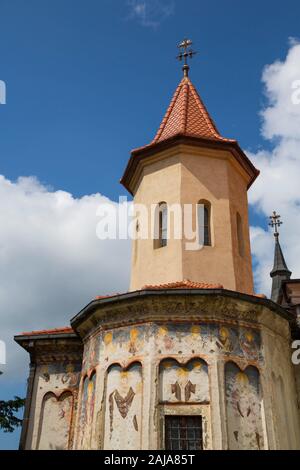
<point x="87" y="411"/>
<point x="65" y="374"/>
<point x="184" y="383"/>
<point x="91" y="353"/>
<point x="130" y="341"/>
<point x="178" y="382"/>
<point x="174" y="338"/>
<point x="55" y="422"/>
<point x="209" y="338"/>
<point x="244" y="408"/>
<point x="123" y="410"/>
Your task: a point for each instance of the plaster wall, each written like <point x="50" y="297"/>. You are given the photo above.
<point x="280" y="395"/>
<point x="150" y="265"/>
<point x="53" y="405"/>
<point x="228" y="362"/>
<point x="214" y="369"/>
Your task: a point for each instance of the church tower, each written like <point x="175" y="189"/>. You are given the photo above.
<point x="189" y="166"/>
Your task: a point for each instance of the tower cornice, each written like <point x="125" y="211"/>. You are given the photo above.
<point x="143" y="154"/>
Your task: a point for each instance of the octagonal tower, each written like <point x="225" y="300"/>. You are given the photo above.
<point x="189" y="163"/>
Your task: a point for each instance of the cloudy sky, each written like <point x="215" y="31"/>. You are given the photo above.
<point x="84" y="86"/>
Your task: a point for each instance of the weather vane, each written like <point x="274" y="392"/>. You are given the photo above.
<point x="186" y="52"/>
<point x="275" y="223"/>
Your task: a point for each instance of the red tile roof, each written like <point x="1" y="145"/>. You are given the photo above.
<point x="54" y="331"/>
<point x="188" y="120"/>
<point x="100" y="297"/>
<point x="186" y="284"/>
<point x="188" y="116"/>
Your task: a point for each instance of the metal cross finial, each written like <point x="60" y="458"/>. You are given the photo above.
<point x="185" y="53"/>
<point x="275" y="223"/>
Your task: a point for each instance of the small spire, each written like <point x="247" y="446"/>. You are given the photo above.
<point x="280" y="271"/>
<point x="185" y="53"/>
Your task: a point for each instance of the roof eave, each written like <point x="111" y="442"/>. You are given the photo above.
<point x="77" y="320"/>
<point x="22" y="340"/>
<point x="140" y="154"/>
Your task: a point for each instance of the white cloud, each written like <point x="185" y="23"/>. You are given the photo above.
<point x="51" y="262"/>
<point x="150" y="13"/>
<point x="278" y="187"/>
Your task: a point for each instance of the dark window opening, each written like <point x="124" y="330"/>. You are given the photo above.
<point x="161" y="226"/>
<point x="183" y="433"/>
<point x="204" y="210"/>
<point x="206" y="227"/>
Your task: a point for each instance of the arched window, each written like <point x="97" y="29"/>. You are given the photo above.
<point x="240" y="236"/>
<point x="204" y="222"/>
<point x="161" y="235"/>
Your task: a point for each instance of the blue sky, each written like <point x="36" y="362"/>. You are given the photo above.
<point x="87" y="81"/>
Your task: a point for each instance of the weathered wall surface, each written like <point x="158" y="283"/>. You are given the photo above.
<point x="123" y="408"/>
<point x="53" y="406"/>
<point x="215" y="369"/>
<point x="243" y="406"/>
<point x="184" y="383"/>
<point x="86" y="411"/>
<point x="55" y="421"/>
<point x="223" y="359"/>
<point x="279" y="386"/>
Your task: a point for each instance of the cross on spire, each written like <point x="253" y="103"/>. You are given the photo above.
<point x="185" y="53"/>
<point x="275" y="223"/>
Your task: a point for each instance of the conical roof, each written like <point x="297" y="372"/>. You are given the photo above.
<point x="280" y="271"/>
<point x="279" y="261"/>
<point x="187" y="121"/>
<point x="187" y="116"/>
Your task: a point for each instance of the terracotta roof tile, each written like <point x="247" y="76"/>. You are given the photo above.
<point x="99" y="297"/>
<point x="186" y="284"/>
<point x="54" y="331"/>
<point x="188" y="116"/>
<point x="186" y="119"/>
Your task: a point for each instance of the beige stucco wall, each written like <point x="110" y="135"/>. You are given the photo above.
<point x="161" y="182"/>
<point x="186" y="176"/>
